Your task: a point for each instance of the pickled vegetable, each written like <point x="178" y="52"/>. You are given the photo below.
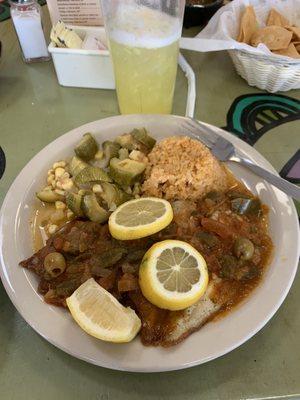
<point x="126" y="172"/>
<point x="127" y="189"/>
<point x="141" y="135"/>
<point x="91" y="174"/>
<point x="66" y="288"/>
<point x="137" y="188"/>
<point x="93" y="210"/>
<point x="136" y="255"/>
<point x="123" y="154"/>
<point x="110" y="149"/>
<point x="74" y="202"/>
<point x="126" y="141"/>
<point x="138" y="155"/>
<point x="83" y="192"/>
<point x="123" y="196"/>
<point x="87" y="147"/>
<point x="76" y="166"/>
<point x="99" y="155"/>
<point x="112" y="194"/>
<point x="49" y="196"/>
<point x="109" y="193"/>
<point x="238" y="270"/>
<point x="244" y="206"/>
<point x="130" y="268"/>
<point x="107" y="259"/>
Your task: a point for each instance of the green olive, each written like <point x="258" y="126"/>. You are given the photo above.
<point x="243" y="248"/>
<point x="55" y="264"/>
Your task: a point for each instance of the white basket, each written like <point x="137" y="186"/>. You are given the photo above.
<point x="266" y="72"/>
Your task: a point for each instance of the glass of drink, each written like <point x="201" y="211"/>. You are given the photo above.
<point x="144" y="44"/>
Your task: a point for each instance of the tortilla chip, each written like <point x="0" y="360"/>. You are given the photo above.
<point x="296" y="32"/>
<point x="291" y="51"/>
<point x="248" y="25"/>
<point x="274" y="37"/>
<point x="275" y="18"/>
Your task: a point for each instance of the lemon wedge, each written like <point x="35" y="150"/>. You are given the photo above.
<point x="139" y="218"/>
<point x="100" y="314"/>
<point x="173" y="275"/>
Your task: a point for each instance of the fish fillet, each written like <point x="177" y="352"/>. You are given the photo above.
<point x="193" y="318"/>
<point x="167" y="328"/>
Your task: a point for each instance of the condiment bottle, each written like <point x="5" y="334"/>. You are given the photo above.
<point x="26" y="17"/>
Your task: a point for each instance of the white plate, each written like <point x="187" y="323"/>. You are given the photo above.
<point x="214" y="339"/>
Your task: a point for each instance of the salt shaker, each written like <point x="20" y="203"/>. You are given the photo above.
<point x="26" y="17"/>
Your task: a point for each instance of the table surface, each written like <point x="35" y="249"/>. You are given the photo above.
<point x="34" y="110"/>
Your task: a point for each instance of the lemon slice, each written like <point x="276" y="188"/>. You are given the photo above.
<point x="138" y="218"/>
<point x="99" y="314"/>
<point x="173" y="275"/>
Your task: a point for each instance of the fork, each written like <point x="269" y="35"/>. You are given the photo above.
<point x="224" y="150"/>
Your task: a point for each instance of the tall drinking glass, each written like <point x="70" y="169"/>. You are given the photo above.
<point x="144" y="43"/>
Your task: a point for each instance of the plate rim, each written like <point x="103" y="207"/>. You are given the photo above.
<point x="133" y="369"/>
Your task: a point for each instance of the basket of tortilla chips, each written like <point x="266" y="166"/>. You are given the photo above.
<point x="263" y="40"/>
<point x="282" y="38"/>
